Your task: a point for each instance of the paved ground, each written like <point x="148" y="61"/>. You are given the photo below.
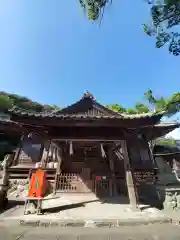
<point x="85" y="207"/>
<point x="149" y="232"/>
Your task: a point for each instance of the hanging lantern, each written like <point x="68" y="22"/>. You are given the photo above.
<point x="102" y="151"/>
<point x="70" y="149"/>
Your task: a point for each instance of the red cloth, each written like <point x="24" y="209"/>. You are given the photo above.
<point x="38" y="184"/>
<point x="98" y="178"/>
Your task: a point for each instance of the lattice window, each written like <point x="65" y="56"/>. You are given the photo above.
<point x="69" y="182"/>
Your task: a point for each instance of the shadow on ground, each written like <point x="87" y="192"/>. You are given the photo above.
<point x="66" y="207"/>
<point x="11" y="204"/>
<point x="115" y="200"/>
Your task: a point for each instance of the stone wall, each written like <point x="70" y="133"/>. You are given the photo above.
<point x="168" y="187"/>
<point x="18" y="188"/>
<point x="165" y="175"/>
<point x="170" y="196"/>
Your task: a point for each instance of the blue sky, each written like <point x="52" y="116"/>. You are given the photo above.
<point x="51" y="53"/>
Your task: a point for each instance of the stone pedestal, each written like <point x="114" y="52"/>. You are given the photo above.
<point x="170" y="197"/>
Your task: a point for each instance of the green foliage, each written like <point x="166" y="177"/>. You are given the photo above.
<point x="131" y="111"/>
<point x="7" y="101"/>
<point x="116" y="107"/>
<point x="161" y="103"/>
<point x="165" y="15"/>
<point x="171" y="105"/>
<point x="55" y="107"/>
<point x="149" y="96"/>
<point x="165" y="141"/>
<point x="141" y="108"/>
<point x="94" y="8"/>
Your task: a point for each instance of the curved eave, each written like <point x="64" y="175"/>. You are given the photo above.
<point x="160" y="129"/>
<point x="23" y="113"/>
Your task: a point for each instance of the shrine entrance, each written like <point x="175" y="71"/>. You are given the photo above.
<point x="87" y="167"/>
<point x="103" y="186"/>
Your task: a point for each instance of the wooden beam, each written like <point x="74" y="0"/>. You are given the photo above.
<point x="87" y="132"/>
<point x="91" y="122"/>
<point x="129" y="177"/>
<point x="85" y="140"/>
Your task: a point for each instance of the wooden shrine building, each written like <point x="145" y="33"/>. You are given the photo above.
<point x="88" y="148"/>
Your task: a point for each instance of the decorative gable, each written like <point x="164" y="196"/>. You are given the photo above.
<point x="87" y="106"/>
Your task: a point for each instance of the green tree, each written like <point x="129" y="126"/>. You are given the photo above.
<point x="173" y="105"/>
<point x="55" y="107"/>
<point x="141" y="108"/>
<point x="164" y="14"/>
<point x="94" y="8"/>
<point x="149" y="97"/>
<point x="131" y="111"/>
<point x="116" y="107"/>
<point x="156" y="104"/>
<point x="5" y="103"/>
<point x="165" y="141"/>
<point x="13" y="100"/>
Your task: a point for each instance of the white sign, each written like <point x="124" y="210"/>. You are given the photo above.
<point x="36" y="146"/>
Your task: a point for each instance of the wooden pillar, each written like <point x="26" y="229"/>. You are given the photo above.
<point x="129" y="177"/>
<point x="113" y="190"/>
<point x="58" y="169"/>
<point x="18" y="151"/>
<point x="41" y="151"/>
<point x="44" y="158"/>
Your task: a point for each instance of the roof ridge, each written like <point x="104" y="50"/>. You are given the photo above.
<point x="95" y="104"/>
<point x="60" y="110"/>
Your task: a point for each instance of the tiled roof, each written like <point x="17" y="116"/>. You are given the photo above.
<point x="86" y="108"/>
<point x="161" y="129"/>
<point x="60" y="115"/>
<point x="173" y="124"/>
<point x="8" y="122"/>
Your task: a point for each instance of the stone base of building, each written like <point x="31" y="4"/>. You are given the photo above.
<point x="169" y="196"/>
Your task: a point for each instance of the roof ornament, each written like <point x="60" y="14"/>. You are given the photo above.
<point x="87" y="94"/>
